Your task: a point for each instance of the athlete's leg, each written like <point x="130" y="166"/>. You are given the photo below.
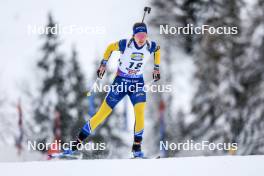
<point x="111" y="100"/>
<point x="139" y="109"/>
<point x="138" y="99"/>
<point x="103" y="112"/>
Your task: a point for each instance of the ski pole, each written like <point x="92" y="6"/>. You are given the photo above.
<point x="146" y="9"/>
<point x="91" y="88"/>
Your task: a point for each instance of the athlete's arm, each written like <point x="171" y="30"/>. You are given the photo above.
<point x="112" y="47"/>
<point x="157" y="58"/>
<point x="156" y="72"/>
<point x="116" y="46"/>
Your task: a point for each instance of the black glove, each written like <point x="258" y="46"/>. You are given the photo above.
<point x="101" y="71"/>
<point x="156" y="75"/>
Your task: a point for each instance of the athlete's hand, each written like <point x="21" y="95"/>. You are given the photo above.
<point x="101" y="71"/>
<point x="156" y="75"/>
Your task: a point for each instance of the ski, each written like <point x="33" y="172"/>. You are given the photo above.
<point x="156" y="157"/>
<point x="64" y="156"/>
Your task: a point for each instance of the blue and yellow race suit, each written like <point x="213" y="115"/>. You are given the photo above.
<point x="129" y="76"/>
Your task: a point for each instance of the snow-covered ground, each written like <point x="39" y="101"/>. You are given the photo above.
<point x="189" y="166"/>
<point x="10" y="154"/>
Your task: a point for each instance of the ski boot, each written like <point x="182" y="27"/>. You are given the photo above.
<point x="136" y="150"/>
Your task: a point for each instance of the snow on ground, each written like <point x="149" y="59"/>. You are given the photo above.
<point x="189" y="166"/>
<point x="10" y="154"/>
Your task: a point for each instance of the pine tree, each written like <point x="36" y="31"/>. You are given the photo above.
<point x="221" y="99"/>
<point x="62" y="91"/>
<point x="226" y="107"/>
<point x="177" y="13"/>
<point x="173" y="13"/>
<point x="77" y="96"/>
<point x="250" y="138"/>
<point x="50" y="66"/>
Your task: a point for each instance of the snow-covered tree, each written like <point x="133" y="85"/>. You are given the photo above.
<point x="61" y="91"/>
<point x="226" y="106"/>
<point x="176" y="51"/>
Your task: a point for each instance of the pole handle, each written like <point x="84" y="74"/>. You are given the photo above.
<point x="146" y="10"/>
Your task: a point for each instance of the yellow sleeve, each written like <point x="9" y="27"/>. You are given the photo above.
<point x="157" y="56"/>
<point x="112" y="47"/>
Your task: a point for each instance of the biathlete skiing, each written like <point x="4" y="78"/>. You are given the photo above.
<point x="134" y="54"/>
